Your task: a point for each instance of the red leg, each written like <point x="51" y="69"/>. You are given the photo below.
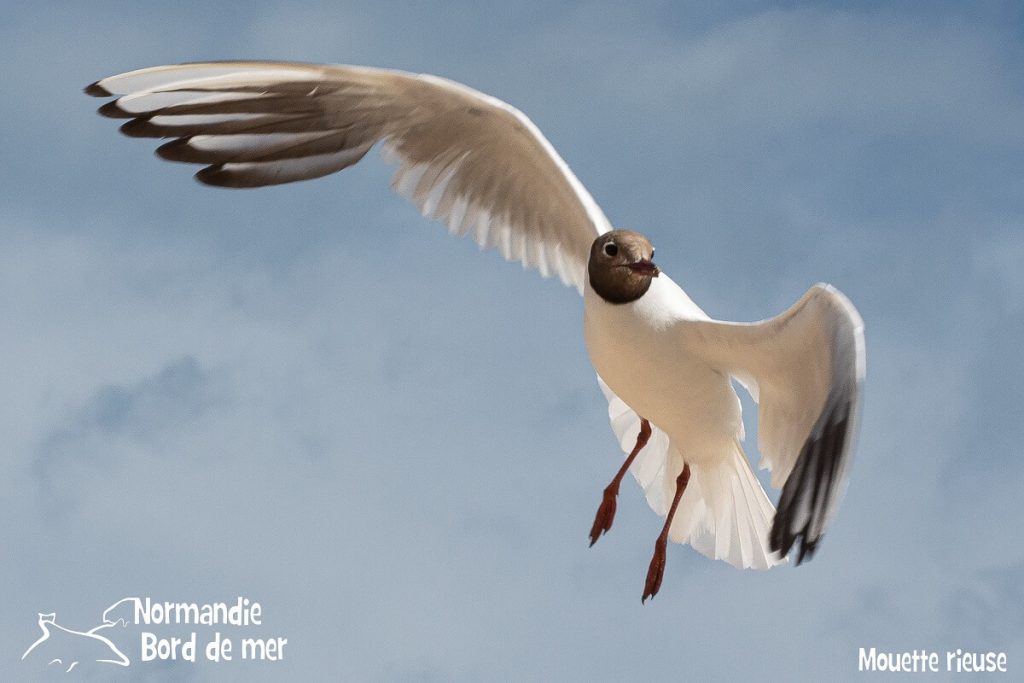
<point x="606" y="513"/>
<point x="657" y="569"/>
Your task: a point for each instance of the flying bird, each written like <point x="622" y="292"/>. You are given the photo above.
<point x="484" y="169"/>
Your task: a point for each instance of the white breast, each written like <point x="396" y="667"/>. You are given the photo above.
<point x="634" y="350"/>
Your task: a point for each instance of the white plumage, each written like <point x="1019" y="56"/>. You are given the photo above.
<point x="481" y="167"/>
<point x="464" y="158"/>
<point x="668" y="361"/>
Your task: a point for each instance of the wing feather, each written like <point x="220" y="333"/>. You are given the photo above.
<point x="464" y="158"/>
<point x="805" y="367"/>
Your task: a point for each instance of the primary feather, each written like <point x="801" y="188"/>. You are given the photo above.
<point x="464" y="158"/>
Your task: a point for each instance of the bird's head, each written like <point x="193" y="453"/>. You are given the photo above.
<point x="620" y="266"/>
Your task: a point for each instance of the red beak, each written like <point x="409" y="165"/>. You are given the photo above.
<point x="644" y="266"/>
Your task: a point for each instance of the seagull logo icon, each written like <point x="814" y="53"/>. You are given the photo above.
<point x="68" y="648"/>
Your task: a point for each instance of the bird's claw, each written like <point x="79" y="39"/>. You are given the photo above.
<point x="655" y="572"/>
<point x="605" y="516"/>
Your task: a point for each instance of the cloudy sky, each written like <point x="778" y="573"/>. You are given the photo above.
<point x="310" y="396"/>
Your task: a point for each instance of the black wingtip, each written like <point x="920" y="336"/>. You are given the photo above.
<point x="140" y="127"/>
<point x="810" y="486"/>
<point x="807" y="550"/>
<point x="112" y="111"/>
<point x="782" y="543"/>
<point x="215" y="176"/>
<point x="176" y="150"/>
<point x="212" y="175"/>
<point x="97" y="90"/>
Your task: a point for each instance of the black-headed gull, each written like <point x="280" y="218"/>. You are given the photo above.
<point x="483" y="168"/>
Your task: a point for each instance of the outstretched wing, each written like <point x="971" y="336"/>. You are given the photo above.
<point x="805" y="367"/>
<point x="464" y="158"/>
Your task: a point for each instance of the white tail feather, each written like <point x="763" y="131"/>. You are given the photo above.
<point x="724" y="513"/>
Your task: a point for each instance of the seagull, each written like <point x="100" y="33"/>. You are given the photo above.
<point x="666" y="368"/>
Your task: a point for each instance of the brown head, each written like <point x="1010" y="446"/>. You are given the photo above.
<point x="620" y="266"/>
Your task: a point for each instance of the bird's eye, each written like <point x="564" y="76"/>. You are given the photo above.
<point x="611" y="249"/>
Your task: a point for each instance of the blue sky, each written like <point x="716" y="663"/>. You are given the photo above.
<point x="311" y="396"/>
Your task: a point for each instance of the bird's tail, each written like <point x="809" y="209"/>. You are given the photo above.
<point x="724" y="513"/>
